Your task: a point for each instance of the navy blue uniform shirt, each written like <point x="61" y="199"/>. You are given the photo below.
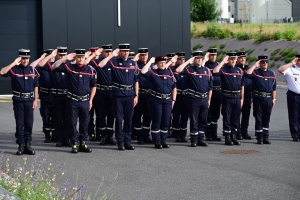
<point x="58" y="78"/>
<point x="162" y="81"/>
<point x="263" y="81"/>
<point x="199" y="79"/>
<point x="45" y="83"/>
<point x="103" y="74"/>
<point x="247" y="81"/>
<point x="80" y="78"/>
<point x="124" y="72"/>
<point x="23" y="79"/>
<point x="231" y="79"/>
<point x="144" y="82"/>
<point x="216" y="79"/>
<point x="181" y="82"/>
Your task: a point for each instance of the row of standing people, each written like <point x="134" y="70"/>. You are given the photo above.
<point x="122" y="83"/>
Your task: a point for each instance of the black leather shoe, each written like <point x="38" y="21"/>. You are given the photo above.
<point x="92" y="137"/>
<point x="233" y="139"/>
<point x="110" y="140"/>
<point x="183" y="139"/>
<point x="178" y="139"/>
<point x="103" y="141"/>
<point x="66" y="144"/>
<point x="208" y="139"/>
<point x="47" y="139"/>
<point x="121" y="147"/>
<point x="20" y="149"/>
<point x="74" y="148"/>
<point x="216" y="139"/>
<point x="84" y="148"/>
<point x="129" y="147"/>
<point x="148" y="141"/>
<point x="202" y="143"/>
<point x="140" y="141"/>
<point x="158" y="145"/>
<point x="259" y="141"/>
<point x="228" y="141"/>
<point x="193" y="144"/>
<point x="295" y="139"/>
<point x="165" y="145"/>
<point x="266" y="141"/>
<point x="58" y="144"/>
<point x="246" y="136"/>
<point x="239" y="137"/>
<point x="28" y="150"/>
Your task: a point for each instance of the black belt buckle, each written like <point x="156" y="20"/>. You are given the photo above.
<point x="25" y="95"/>
<point x="264" y="94"/>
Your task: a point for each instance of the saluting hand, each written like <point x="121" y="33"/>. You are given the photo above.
<point x="152" y="60"/>
<point x="115" y="53"/>
<point x="294" y="61"/>
<point x="136" y="57"/>
<point x="257" y="63"/>
<point x="174" y="59"/>
<point x="54" y="53"/>
<point x="225" y="60"/>
<point x="99" y="51"/>
<point x="87" y="54"/>
<point x="43" y="56"/>
<point x="191" y="60"/>
<point x="18" y="61"/>
<point x="206" y="57"/>
<point x="71" y="56"/>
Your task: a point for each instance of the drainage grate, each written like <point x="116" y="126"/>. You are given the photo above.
<point x="239" y="151"/>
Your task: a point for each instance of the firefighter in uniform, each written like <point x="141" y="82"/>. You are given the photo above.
<point x="24" y="82"/>
<point x="81" y="91"/>
<point x="141" y="110"/>
<point x="104" y="99"/>
<point x="125" y="93"/>
<point x="292" y="73"/>
<point x="232" y="87"/>
<point x="180" y="116"/>
<point x="59" y="92"/>
<point x="45" y="96"/>
<point x="246" y="108"/>
<point x="92" y="135"/>
<point x="200" y="84"/>
<point x="162" y="98"/>
<point x="264" y="97"/>
<point x="213" y="115"/>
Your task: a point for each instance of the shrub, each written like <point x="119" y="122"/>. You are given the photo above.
<point x="219" y="58"/>
<point x="219" y="52"/>
<point x="292" y="54"/>
<point x="213" y="45"/>
<point x="250" y="59"/>
<point x="276" y="51"/>
<point x="285" y="52"/>
<point x="265" y="49"/>
<point x="277" y="35"/>
<point x="194" y="30"/>
<point x="290" y="33"/>
<point x="277" y="58"/>
<point x="243" y="35"/>
<point x="222" y="46"/>
<point x="288" y="60"/>
<point x="272" y="57"/>
<point x="272" y="64"/>
<point x="197" y="46"/>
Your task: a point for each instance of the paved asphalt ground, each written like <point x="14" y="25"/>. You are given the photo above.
<point x="180" y="172"/>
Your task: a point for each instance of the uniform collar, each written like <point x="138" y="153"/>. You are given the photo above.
<point x="80" y="65"/>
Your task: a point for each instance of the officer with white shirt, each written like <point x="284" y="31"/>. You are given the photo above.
<point x="292" y="73"/>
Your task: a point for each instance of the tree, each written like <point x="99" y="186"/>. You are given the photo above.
<point x="204" y="10"/>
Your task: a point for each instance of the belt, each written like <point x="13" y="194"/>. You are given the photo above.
<point x="78" y="98"/>
<point x="122" y="87"/>
<point x="261" y="94"/>
<point x="45" y="90"/>
<point x="181" y="92"/>
<point x="23" y="95"/>
<point x="217" y="87"/>
<point x="294" y="92"/>
<point x="104" y="87"/>
<point x="231" y="93"/>
<point x="160" y="95"/>
<point x="197" y="94"/>
<point x="144" y="91"/>
<point x="59" y="91"/>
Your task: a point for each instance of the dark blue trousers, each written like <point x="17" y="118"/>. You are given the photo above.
<point x="160" y="111"/>
<point x="246" y="108"/>
<point x="78" y="110"/>
<point x="104" y="113"/>
<point x="180" y="116"/>
<point x="198" y="115"/>
<point x="293" y="103"/>
<point x="61" y="118"/>
<point x="262" y="109"/>
<point x="23" y="112"/>
<point x="213" y="116"/>
<point x="46" y="111"/>
<point x="123" y="107"/>
<point x="231" y="111"/>
<point x="91" y="127"/>
<point x="141" y="110"/>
